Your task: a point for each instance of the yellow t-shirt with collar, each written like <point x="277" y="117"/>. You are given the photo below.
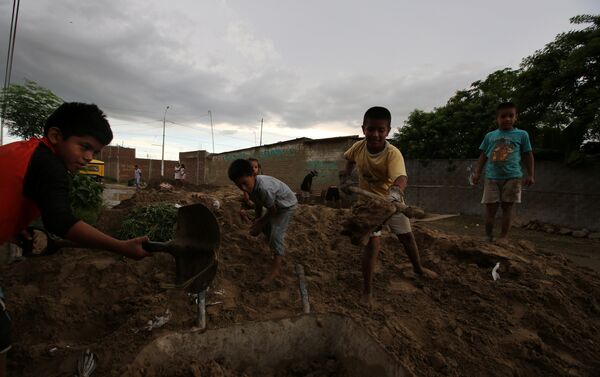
<point x="377" y="172"/>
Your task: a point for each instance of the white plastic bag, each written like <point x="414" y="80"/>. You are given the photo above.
<point x="495" y="274"/>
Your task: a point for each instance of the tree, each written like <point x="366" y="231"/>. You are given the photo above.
<point x="557" y="91"/>
<point x="560" y="87"/>
<point x="456" y="129"/>
<point x="25" y="109"/>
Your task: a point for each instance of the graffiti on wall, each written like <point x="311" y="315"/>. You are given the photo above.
<point x="262" y="154"/>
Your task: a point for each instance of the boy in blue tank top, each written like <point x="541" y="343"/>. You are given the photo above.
<point x="502" y="152"/>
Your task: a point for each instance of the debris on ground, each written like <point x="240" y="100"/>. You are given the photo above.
<point x="544" y="319"/>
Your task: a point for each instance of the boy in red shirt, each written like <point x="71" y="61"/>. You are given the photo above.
<point x="34" y="182"/>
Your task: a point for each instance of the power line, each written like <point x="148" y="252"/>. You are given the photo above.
<point x="9" y="61"/>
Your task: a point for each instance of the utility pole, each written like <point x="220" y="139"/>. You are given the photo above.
<point x="9" y="60"/>
<point x="162" y="159"/>
<point x="212" y="131"/>
<point x="261" y="127"/>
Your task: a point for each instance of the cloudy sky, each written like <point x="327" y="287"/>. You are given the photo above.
<point x="309" y="68"/>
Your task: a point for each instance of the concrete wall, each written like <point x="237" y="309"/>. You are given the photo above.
<point x="119" y="164"/>
<point x="288" y="161"/>
<point x="195" y="166"/>
<point x="562" y="195"/>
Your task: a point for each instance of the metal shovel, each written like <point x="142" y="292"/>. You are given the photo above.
<point x="195" y="251"/>
<point x="194" y="248"/>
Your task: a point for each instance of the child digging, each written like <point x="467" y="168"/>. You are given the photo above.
<point x="381" y="171"/>
<point x="280" y="203"/>
<point x="247" y="203"/>
<point x="503" y="150"/>
<point x="34" y="181"/>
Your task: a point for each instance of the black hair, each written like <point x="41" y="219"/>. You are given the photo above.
<point x="182" y="165"/>
<point x="239" y="169"/>
<point x="80" y="119"/>
<point x="377" y="112"/>
<point x="505" y="106"/>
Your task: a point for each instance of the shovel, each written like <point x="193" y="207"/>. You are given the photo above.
<point x="194" y="249"/>
<point x="369" y="216"/>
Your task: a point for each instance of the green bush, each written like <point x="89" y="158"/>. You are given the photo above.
<point x="86" y="198"/>
<point x="157" y="221"/>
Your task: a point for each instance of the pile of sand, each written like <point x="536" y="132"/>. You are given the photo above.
<point x="541" y="318"/>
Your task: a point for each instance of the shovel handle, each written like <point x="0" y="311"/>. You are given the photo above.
<point x="407" y="210"/>
<point x="153" y="247"/>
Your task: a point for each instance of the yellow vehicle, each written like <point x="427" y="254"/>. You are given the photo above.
<point x="94" y="168"/>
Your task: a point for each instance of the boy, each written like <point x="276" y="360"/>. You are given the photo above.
<point x="34" y="180"/>
<point x="503" y="150"/>
<point x="137" y="174"/>
<point x="248" y="204"/>
<point x="306" y="186"/>
<point x="381" y="170"/>
<point x="279" y="201"/>
<point x="177" y="173"/>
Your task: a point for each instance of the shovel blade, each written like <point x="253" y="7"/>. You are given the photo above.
<point x="199" y="234"/>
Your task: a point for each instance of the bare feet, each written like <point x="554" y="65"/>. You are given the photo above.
<point x="275" y="270"/>
<point x="377" y="266"/>
<point x="502" y="241"/>
<point x="427" y="273"/>
<point x="366" y="300"/>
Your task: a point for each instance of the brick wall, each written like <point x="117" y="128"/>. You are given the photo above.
<point x="288" y="161"/>
<point x="195" y="166"/>
<point x="562" y="195"/>
<point x="119" y="163"/>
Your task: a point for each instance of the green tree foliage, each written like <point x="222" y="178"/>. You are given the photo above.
<point x="560" y="88"/>
<point x="557" y="90"/>
<point x="86" y="198"/>
<point x="26" y="108"/>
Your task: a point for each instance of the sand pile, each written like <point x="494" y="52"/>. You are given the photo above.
<point x="541" y="318"/>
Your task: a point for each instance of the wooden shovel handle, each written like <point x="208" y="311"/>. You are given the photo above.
<point x="153" y="247"/>
<point x="407" y="210"/>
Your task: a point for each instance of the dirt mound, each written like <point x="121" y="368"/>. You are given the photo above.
<point x="154" y="184"/>
<point x="327" y="367"/>
<point x="542" y="317"/>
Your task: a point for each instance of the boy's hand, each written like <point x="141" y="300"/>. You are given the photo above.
<point x="529" y="181"/>
<point x="133" y="248"/>
<point x="395" y="194"/>
<point x="257" y="227"/>
<point x="475" y="179"/>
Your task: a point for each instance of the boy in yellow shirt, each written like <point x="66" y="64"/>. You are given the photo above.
<point x="382" y="171"/>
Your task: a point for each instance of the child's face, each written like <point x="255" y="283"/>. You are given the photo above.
<point x="376" y="131"/>
<point x="507" y="118"/>
<point x="246" y="184"/>
<point x="75" y="151"/>
<point x="255" y="168"/>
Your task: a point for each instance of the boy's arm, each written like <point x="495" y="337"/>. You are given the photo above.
<point x="529" y="166"/>
<point x="86" y="235"/>
<point x="350" y="165"/>
<point x="396" y="191"/>
<point x="479" y="168"/>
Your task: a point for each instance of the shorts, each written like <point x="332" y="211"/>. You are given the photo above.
<point x="277" y="229"/>
<point x="398" y="224"/>
<point x="5" y="325"/>
<point x="305" y="194"/>
<point x="501" y="191"/>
